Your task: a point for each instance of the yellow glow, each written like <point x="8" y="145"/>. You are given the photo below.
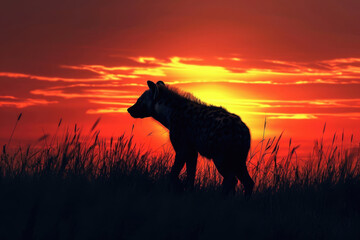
<point x="198" y="72"/>
<point x="218" y="95"/>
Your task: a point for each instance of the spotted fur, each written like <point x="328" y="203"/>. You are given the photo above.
<point x="196" y="127"/>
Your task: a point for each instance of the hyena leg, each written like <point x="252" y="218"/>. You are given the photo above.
<point x="229" y="182"/>
<point x="191" y="162"/>
<point x="245" y="179"/>
<point x="177" y="167"/>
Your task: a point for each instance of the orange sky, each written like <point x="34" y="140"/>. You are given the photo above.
<point x="297" y="63"/>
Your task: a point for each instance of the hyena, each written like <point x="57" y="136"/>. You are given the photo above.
<point x="196" y="127"/>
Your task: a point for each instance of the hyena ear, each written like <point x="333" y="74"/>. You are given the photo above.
<point x="153" y="88"/>
<point x="160" y="83"/>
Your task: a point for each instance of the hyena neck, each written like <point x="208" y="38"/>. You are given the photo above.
<point x="162" y="113"/>
<point x="171" y="105"/>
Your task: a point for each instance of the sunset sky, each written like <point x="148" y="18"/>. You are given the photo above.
<point x="297" y="63"/>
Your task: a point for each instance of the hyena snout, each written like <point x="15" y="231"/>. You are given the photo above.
<point x="132" y="111"/>
<point x="137" y="112"/>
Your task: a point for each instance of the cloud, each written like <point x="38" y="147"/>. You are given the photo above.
<point x="243" y="71"/>
<point x="273" y="115"/>
<point x="108" y="110"/>
<point x="111" y="103"/>
<point x="44" y="78"/>
<point x="291" y="116"/>
<point x="99" y="93"/>
<point x="11" y="101"/>
<point x="120" y="85"/>
<point x="323" y="103"/>
<point x="337" y="61"/>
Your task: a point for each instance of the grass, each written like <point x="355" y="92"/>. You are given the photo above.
<point x="89" y="188"/>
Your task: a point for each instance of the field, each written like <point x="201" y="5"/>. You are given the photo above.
<point x="75" y="187"/>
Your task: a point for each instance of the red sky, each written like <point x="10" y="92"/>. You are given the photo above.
<point x="295" y="62"/>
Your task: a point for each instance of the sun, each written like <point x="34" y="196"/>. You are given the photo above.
<point x="218" y="95"/>
<point x="232" y="99"/>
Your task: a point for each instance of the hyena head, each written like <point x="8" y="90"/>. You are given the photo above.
<point x="145" y="104"/>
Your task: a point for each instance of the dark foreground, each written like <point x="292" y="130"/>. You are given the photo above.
<point x="53" y="208"/>
<point x="78" y="189"/>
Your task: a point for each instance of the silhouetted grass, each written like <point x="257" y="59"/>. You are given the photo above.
<point x="89" y="188"/>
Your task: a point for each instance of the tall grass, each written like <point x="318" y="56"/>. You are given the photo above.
<point x="90" y="157"/>
<point x="93" y="158"/>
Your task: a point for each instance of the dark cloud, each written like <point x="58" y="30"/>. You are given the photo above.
<point x="38" y="35"/>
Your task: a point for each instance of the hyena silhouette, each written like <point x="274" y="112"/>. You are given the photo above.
<point x="196" y="127"/>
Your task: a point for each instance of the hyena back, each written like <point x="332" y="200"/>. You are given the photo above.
<point x="196" y="127"/>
